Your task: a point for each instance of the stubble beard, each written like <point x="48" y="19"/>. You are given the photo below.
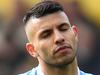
<point x="62" y="64"/>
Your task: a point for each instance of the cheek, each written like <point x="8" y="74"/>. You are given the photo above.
<point x="74" y="42"/>
<point x="48" y="45"/>
<point x="71" y="38"/>
<point x="45" y="45"/>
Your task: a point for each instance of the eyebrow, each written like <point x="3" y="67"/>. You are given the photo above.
<point x="47" y="29"/>
<point x="63" y="24"/>
<point x="44" y="30"/>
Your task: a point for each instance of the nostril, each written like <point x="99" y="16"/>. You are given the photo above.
<point x="60" y="41"/>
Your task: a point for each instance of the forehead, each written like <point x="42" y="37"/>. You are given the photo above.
<point x="51" y="19"/>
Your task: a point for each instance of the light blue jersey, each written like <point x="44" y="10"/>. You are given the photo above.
<point x="37" y="71"/>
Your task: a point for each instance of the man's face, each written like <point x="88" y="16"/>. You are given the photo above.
<point x="53" y="39"/>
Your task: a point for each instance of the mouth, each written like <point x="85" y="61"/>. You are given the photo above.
<point x="63" y="49"/>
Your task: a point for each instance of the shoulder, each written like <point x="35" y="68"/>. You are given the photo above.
<point x="83" y="73"/>
<point x="30" y="72"/>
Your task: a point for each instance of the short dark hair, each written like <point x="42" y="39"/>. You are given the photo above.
<point x="43" y="8"/>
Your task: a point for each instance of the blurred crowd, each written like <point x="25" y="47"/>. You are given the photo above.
<point x="14" y="58"/>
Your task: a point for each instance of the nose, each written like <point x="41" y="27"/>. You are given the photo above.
<point x="59" y="38"/>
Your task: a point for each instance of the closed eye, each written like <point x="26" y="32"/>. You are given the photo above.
<point x="45" y="34"/>
<point x="64" y="27"/>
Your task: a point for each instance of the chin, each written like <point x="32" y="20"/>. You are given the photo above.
<point x="63" y="63"/>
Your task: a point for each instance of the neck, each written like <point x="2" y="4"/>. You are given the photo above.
<point x="70" y="69"/>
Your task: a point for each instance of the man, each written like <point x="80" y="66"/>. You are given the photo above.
<point x="52" y="40"/>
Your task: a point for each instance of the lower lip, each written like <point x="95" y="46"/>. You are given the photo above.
<point x="64" y="51"/>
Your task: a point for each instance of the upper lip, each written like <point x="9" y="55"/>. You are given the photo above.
<point x="57" y="49"/>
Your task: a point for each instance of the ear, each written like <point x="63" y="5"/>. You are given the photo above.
<point x="31" y="50"/>
<point x="75" y="30"/>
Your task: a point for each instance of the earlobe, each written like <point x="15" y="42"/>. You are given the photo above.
<point x="31" y="50"/>
<point x="75" y="29"/>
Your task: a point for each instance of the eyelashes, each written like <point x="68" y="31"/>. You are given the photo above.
<point x="48" y="32"/>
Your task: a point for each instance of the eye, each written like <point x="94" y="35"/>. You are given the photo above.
<point x="64" y="27"/>
<point x="46" y="34"/>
